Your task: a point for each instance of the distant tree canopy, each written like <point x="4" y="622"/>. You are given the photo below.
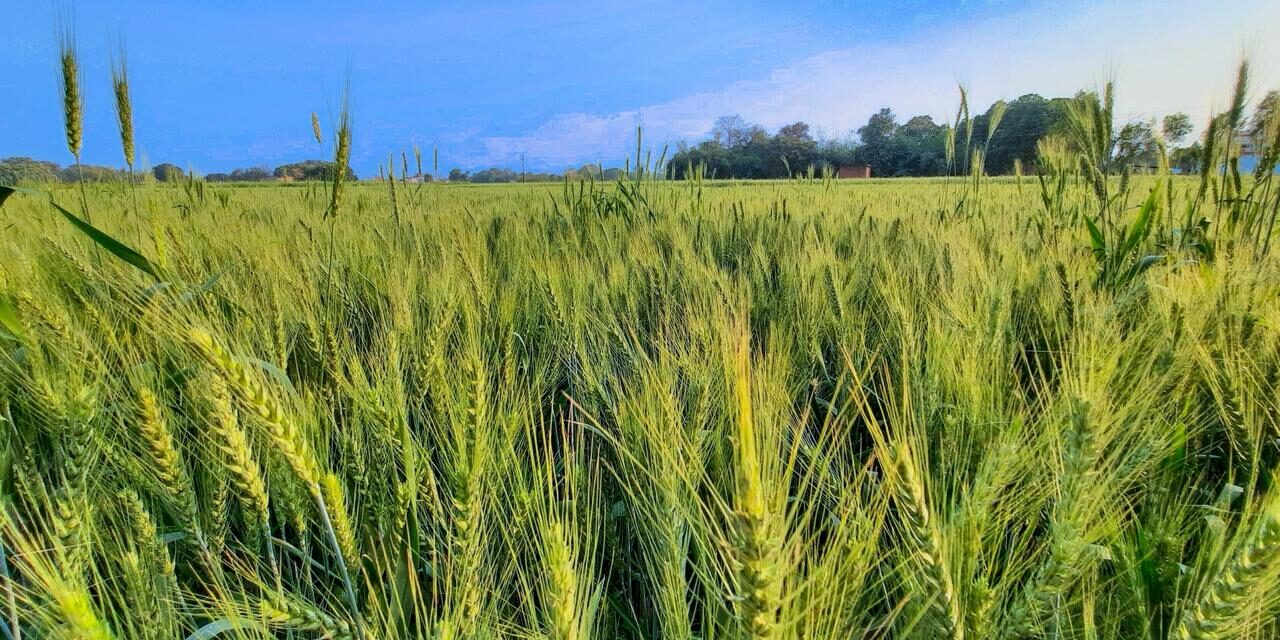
<point x="91" y="173"/>
<point x="1186" y="159"/>
<point x="738" y="149"/>
<point x="20" y="169"/>
<point x="795" y="131"/>
<point x="917" y="147"/>
<point x="310" y="170"/>
<point x="593" y="172"/>
<point x="252" y="174"/>
<point x="1176" y="127"/>
<point x="1265" y="115"/>
<point x="735" y="148"/>
<point x="495" y="175"/>
<point x="1136" y="145"/>
<point x="14" y="171"/>
<point x="1026" y="120"/>
<point x="167" y="172"/>
<point x="732" y="131"/>
<point x="876" y="137"/>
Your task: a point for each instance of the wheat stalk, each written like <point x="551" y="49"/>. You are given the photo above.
<point x="561" y="596"/>
<point x="124" y="108"/>
<point x="72" y="105"/>
<point x="167" y="463"/>
<point x="141" y="598"/>
<point x="147" y="537"/>
<point x="238" y="456"/>
<point x="124" y="118"/>
<point x="341" y="157"/>
<point x="253" y="395"/>
<point x="391" y="186"/>
<point x="286" y="438"/>
<point x="295" y="615"/>
<point x="1218" y="613"/>
<point x="945" y="618"/>
<point x="758" y="534"/>
<point x="72" y="100"/>
<point x="332" y="488"/>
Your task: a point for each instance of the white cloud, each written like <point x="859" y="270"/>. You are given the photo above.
<point x="1178" y="55"/>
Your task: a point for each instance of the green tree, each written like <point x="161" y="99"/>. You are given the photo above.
<point x="167" y="172"/>
<point x="1176" y="127"/>
<point x="1027" y="119"/>
<point x="251" y="174"/>
<point x="1267" y="110"/>
<point x="795" y="131"/>
<point x="876" y="137"/>
<point x="494" y="174"/>
<point x="1186" y="159"/>
<point x="711" y="156"/>
<point x="1136" y="145"/>
<point x="14" y="171"/>
<point x="309" y="170"/>
<point x="837" y="152"/>
<point x="732" y="131"/>
<point x="788" y="153"/>
<point x="91" y="173"/>
<point x="919" y="148"/>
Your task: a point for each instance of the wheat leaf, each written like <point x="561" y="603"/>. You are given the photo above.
<point x="113" y="246"/>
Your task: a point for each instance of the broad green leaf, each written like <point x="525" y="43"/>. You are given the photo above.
<point x="1140" y="225"/>
<point x="213" y="629"/>
<point x="1146" y="262"/>
<point x="154" y="289"/>
<point x="175" y="536"/>
<point x="1095" y="237"/>
<point x="113" y="246"/>
<point x="208" y="285"/>
<point x="1228" y="495"/>
<point x="9" y="319"/>
<point x="205" y="287"/>
<point x="1103" y="552"/>
<point x="1215" y="523"/>
<point x="281" y="377"/>
<point x="6" y="191"/>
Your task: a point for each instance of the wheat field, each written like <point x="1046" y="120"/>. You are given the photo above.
<point x="1039" y="406"/>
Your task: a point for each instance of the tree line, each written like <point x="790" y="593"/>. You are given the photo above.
<point x="1008" y="134"/>
<point x="17" y="170"/>
<point x="20" y="169"/>
<point x="499" y="175"/>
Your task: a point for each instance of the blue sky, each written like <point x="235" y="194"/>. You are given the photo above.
<point x="219" y="85"/>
